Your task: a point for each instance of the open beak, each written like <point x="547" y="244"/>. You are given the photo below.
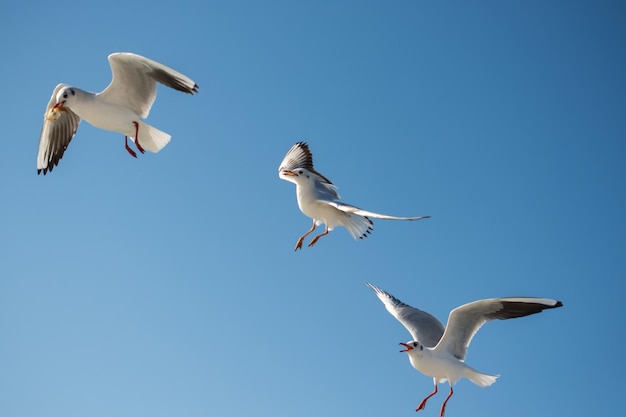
<point x="59" y="105"/>
<point x="408" y="347"/>
<point x="288" y="173"/>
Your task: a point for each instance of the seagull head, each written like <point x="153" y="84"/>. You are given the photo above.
<point x="296" y="175"/>
<point x="412" y="345"/>
<point x="64" y="97"/>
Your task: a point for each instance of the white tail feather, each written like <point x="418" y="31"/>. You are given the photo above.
<point x="482" y="380"/>
<point x="358" y="226"/>
<point x="152" y="139"/>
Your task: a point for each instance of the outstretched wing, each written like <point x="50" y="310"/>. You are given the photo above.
<point x="347" y="208"/>
<point x="59" y="127"/>
<point x="423" y="326"/>
<point x="466" y="320"/>
<point x="134" y="82"/>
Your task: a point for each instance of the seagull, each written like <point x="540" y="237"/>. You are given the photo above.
<point x="119" y="108"/>
<point x="319" y="200"/>
<point x="439" y="352"/>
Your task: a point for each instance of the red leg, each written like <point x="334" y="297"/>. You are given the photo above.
<point x="318" y="236"/>
<point x="299" y="243"/>
<point x="443" y="406"/>
<point x="137" y="138"/>
<point x="423" y="403"/>
<point x="130" y="151"/>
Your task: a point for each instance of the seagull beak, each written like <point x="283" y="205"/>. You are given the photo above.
<point x="288" y="173"/>
<point x="408" y="347"/>
<point x="59" y="105"/>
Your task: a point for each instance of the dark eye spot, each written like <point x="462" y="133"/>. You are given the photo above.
<point x="64" y="95"/>
<point x="300" y="172"/>
<point x="73" y="93"/>
<point x="421" y="347"/>
<point x="415" y="344"/>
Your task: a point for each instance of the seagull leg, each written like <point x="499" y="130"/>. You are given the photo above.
<point x="318" y="236"/>
<point x="299" y="243"/>
<point x="137" y="138"/>
<point x="130" y="151"/>
<point x="423" y="403"/>
<point x="443" y="406"/>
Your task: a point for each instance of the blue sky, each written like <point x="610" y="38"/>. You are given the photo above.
<point x="168" y="285"/>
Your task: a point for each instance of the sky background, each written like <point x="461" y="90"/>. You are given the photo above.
<point x="168" y="285"/>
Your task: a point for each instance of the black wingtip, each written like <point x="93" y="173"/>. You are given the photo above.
<point x="305" y="146"/>
<point x="45" y="170"/>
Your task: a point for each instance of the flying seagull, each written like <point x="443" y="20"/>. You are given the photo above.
<point x="319" y="200"/>
<point x="119" y="108"/>
<point x="438" y="351"/>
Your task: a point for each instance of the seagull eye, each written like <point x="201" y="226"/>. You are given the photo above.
<point x="415" y="344"/>
<point x="64" y="95"/>
<point x="300" y="172"/>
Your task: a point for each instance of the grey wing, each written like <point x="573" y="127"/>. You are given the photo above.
<point x="423" y="326"/>
<point x="325" y="191"/>
<point x="134" y="82"/>
<point x="59" y="127"/>
<point x="466" y="320"/>
<point x="347" y="208"/>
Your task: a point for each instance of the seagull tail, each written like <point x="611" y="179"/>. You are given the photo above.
<point x="151" y="138"/>
<point x="358" y="226"/>
<point x="482" y="380"/>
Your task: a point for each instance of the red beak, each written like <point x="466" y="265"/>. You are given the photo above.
<point x="59" y="104"/>
<point x="408" y="347"/>
<point x="289" y="173"/>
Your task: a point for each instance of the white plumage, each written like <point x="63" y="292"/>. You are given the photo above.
<point x="318" y="198"/>
<point x="438" y="351"/>
<point x="119" y="108"/>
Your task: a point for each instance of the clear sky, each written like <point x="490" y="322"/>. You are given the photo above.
<point x="168" y="285"/>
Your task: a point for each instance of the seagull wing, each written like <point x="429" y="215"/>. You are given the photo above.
<point x="325" y="191"/>
<point x="134" y="82"/>
<point x="347" y="208"/>
<point x="466" y="320"/>
<point x="59" y="127"/>
<point x="423" y="326"/>
<point x="300" y="156"/>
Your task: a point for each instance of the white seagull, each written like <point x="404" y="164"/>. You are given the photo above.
<point x="440" y="352"/>
<point x="119" y="108"/>
<point x="319" y="200"/>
